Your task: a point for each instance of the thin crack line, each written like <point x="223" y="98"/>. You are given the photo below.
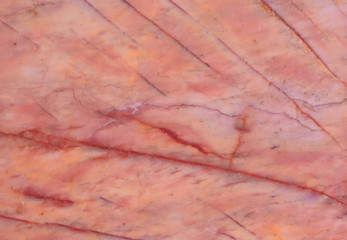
<point x="309" y="18"/>
<point x="151" y="84"/>
<point x="286" y="115"/>
<point x="228" y="235"/>
<point x="232" y="219"/>
<point x="71" y="228"/>
<point x="109" y="21"/>
<point x="264" y="4"/>
<point x="339" y="8"/>
<point x="19" y="33"/>
<point x="186" y="105"/>
<point x="170" y="36"/>
<point x="127" y="67"/>
<point x="329" y="104"/>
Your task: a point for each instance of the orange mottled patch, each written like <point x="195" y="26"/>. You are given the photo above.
<point x="275" y="231"/>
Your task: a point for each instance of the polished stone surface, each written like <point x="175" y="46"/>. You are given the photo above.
<point x="173" y="119"/>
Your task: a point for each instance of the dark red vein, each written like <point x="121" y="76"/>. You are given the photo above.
<point x="106" y="200"/>
<point x="284" y="93"/>
<point x="179" y="7"/>
<point x="19" y="33"/>
<point x="151" y="84"/>
<point x="238" y="223"/>
<point x="176" y="160"/>
<point x="109" y="21"/>
<point x="228" y="235"/>
<point x="172" y="37"/>
<point x="39" y="194"/>
<point x="267" y="7"/>
<point x="173" y="135"/>
<point x="75" y="229"/>
<point x="244" y="173"/>
<point x="232" y="219"/>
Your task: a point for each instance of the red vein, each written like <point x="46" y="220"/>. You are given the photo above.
<point x="235" y="150"/>
<point x="19" y="33"/>
<point x="109" y="21"/>
<point x="169" y="35"/>
<point x="284" y="93"/>
<point x="75" y="229"/>
<point x="228" y="235"/>
<point x="239" y="224"/>
<point x="106" y="200"/>
<point x="176" y="160"/>
<point x="173" y="135"/>
<point x="39" y="194"/>
<point x="46" y="111"/>
<point x="179" y="7"/>
<point x="267" y="7"/>
<point x="232" y="219"/>
<point x="241" y="128"/>
<point x="151" y="84"/>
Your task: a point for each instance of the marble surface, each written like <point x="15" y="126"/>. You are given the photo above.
<point x="173" y="119"/>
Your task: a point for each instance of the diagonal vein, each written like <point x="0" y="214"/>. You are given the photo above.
<point x="232" y="219"/>
<point x="269" y="82"/>
<point x="19" y="33"/>
<point x="58" y="142"/>
<point x="109" y="21"/>
<point x="68" y="227"/>
<point x="267" y="7"/>
<point x="170" y="36"/>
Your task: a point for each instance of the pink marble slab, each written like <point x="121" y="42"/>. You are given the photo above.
<point x="173" y="119"/>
